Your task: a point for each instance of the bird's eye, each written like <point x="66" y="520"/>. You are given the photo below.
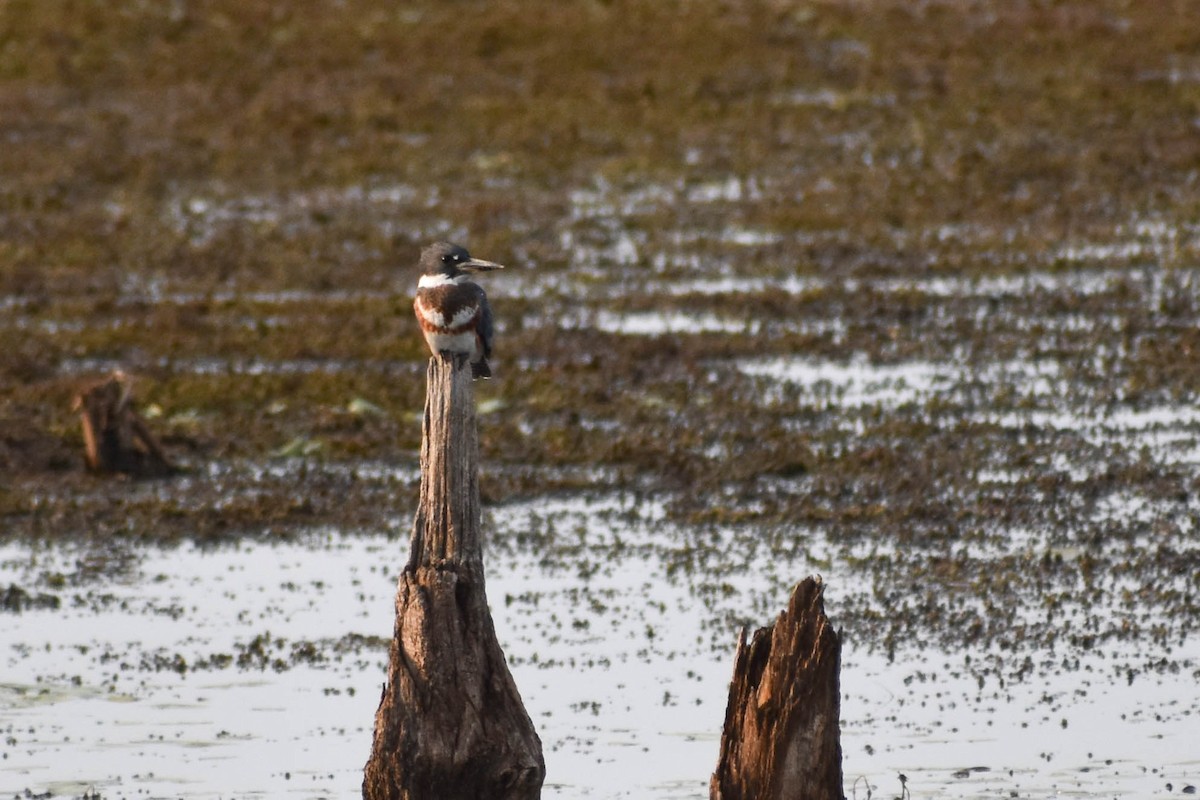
<point x="447" y="259"/>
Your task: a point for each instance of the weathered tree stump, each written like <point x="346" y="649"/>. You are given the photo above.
<point x="115" y="437"/>
<point x="450" y="723"/>
<point x="782" y="732"/>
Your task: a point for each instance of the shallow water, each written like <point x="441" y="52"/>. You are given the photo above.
<point x="623" y="664"/>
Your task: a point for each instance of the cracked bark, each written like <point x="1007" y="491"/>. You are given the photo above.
<point x="782" y="731"/>
<point x="450" y="723"/>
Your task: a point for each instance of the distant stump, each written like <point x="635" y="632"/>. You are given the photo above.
<point x="116" y="438"/>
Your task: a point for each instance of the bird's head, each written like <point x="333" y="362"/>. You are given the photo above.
<point x="451" y="261"/>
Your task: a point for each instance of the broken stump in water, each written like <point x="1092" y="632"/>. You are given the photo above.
<point x="450" y="723"/>
<point x="782" y="726"/>
<point x="115" y="437"/>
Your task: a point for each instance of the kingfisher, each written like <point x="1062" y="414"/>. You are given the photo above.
<point x="454" y="312"/>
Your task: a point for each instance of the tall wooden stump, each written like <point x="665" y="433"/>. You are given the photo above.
<point x="782" y="733"/>
<point x="450" y="724"/>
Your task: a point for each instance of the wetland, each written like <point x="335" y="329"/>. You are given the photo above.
<point x="901" y="294"/>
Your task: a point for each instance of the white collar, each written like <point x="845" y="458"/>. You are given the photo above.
<point x="434" y="281"/>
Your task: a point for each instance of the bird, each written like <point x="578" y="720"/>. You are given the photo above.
<point x="453" y="312"/>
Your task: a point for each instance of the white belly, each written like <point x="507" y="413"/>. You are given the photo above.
<point x="452" y="342"/>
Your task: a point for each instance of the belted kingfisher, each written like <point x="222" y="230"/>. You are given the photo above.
<point x="454" y="312"/>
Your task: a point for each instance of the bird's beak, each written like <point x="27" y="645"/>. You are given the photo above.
<point x="478" y="265"/>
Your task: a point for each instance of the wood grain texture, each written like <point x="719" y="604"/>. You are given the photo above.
<point x="450" y="722"/>
<point x="782" y="733"/>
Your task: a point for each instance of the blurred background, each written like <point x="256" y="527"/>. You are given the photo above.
<point x="899" y="293"/>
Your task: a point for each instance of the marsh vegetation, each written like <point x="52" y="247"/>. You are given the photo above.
<point x="900" y="293"/>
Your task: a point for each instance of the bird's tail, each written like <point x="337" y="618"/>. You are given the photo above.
<point x="480" y="369"/>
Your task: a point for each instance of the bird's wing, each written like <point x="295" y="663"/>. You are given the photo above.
<point x="486" y="328"/>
